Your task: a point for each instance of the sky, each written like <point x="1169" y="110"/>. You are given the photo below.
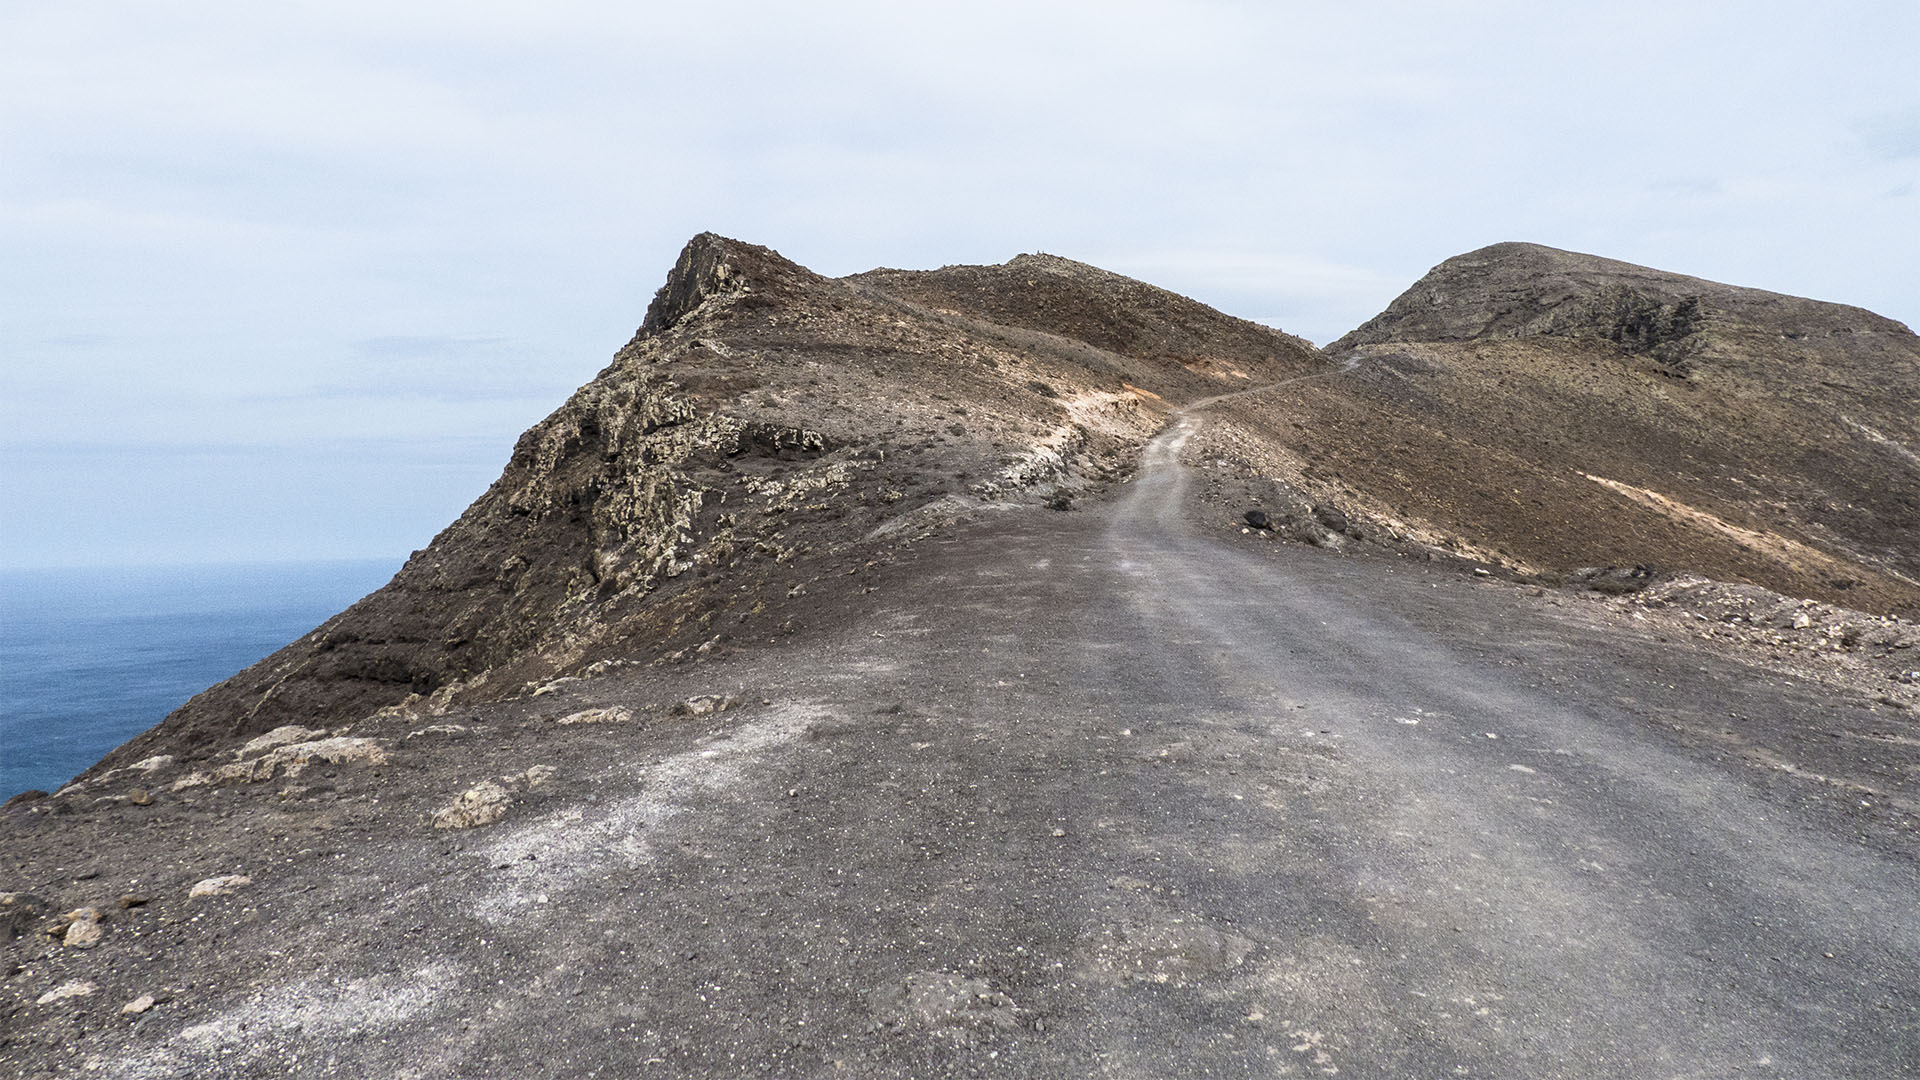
<point x="284" y="281"/>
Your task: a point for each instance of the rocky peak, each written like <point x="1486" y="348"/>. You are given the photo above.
<point x="711" y="266"/>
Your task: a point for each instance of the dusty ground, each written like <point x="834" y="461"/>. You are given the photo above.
<point x="1123" y="791"/>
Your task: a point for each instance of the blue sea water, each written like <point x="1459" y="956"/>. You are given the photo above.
<point x="90" y="658"/>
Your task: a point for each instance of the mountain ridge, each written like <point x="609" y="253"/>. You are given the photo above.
<point x="656" y="504"/>
<point x="745" y="425"/>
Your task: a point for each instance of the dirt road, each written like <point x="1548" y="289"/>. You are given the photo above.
<point x="1103" y="793"/>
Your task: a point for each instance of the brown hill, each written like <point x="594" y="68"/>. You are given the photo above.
<point x="764" y="428"/>
<point x="767" y="428"/>
<point x="1552" y="411"/>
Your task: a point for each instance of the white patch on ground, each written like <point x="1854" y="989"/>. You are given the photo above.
<point x="1791" y="553"/>
<point x="947" y="1004"/>
<point x="562" y="849"/>
<point x="276" y="1024"/>
<point x="1897" y="449"/>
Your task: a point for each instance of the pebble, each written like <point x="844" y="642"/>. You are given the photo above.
<point x="83" y="928"/>
<point x="137" y="1005"/>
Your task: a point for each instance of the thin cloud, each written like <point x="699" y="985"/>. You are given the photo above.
<point x="426" y="346"/>
<point x="1893" y="137"/>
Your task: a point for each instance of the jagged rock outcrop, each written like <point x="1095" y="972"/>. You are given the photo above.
<point x="763" y="422"/>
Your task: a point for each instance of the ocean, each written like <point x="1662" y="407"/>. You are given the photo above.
<point x="91" y="657"/>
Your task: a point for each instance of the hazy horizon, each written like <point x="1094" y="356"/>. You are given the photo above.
<point x="286" y="283"/>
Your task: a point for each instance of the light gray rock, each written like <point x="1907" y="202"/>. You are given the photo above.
<point x="83" y="928"/>
<point x="219" y="886"/>
<point x="73" y="988"/>
<point x="482" y="804"/>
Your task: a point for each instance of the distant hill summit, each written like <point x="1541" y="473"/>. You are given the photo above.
<point x="1555" y="411"/>
<point x="1517" y="290"/>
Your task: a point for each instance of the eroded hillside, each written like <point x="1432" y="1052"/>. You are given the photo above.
<point x="1549" y="412"/>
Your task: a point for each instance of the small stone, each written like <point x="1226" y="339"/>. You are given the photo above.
<point x="83" y="933"/>
<point x="140" y="797"/>
<point x="538" y="775"/>
<point x="71" y="989"/>
<point x="134" y="900"/>
<point x="137" y="1005"/>
<point x="705" y="705"/>
<point x="482" y="804"/>
<point x="219" y="886"/>
<point x="1059" y="832"/>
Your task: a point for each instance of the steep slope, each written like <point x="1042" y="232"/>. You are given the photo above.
<point x="1551" y="411"/>
<point x="765" y="427"/>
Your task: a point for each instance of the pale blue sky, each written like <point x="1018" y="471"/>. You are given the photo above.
<point x="285" y="280"/>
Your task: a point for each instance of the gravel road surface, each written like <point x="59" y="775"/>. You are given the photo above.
<point x="1111" y="793"/>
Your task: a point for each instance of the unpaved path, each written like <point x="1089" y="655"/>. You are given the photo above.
<point x="1102" y="793"/>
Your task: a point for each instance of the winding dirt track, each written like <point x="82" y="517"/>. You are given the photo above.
<point x="1100" y="794"/>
